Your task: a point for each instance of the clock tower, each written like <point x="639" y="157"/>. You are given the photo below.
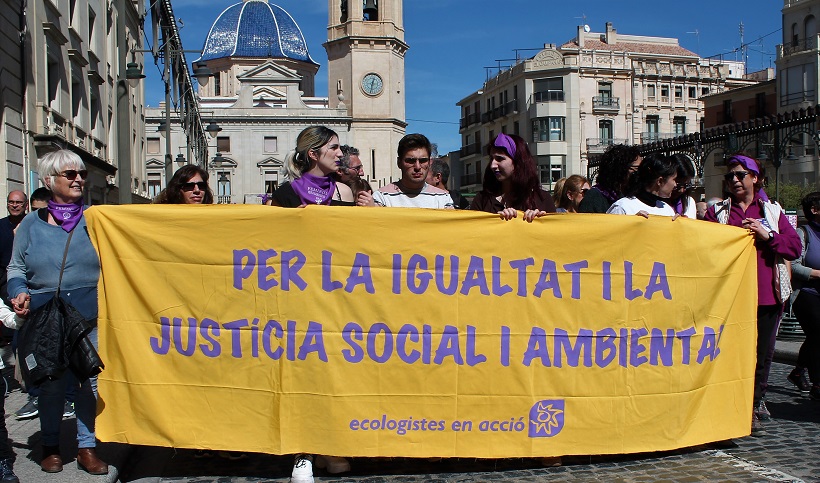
<point x="365" y="48"/>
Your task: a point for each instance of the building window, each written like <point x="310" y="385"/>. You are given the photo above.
<point x="605" y="131"/>
<point x="605" y="90"/>
<point x="704" y="91"/>
<point x="153" y="145"/>
<point x="652" y="129"/>
<point x="516" y="129"/>
<point x="271" y="144"/>
<point x="664" y="93"/>
<point x="223" y="183"/>
<point x="679" y="125"/>
<point x="678" y="94"/>
<point x="650" y="93"/>
<point x="548" y="129"/>
<point x="548" y="90"/>
<point x="223" y="144"/>
<point x="760" y="104"/>
<point x="550" y="169"/>
<point x="154" y="184"/>
<point x="53" y="75"/>
<point x="217" y="84"/>
<point x="271" y="181"/>
<point x="728" y="116"/>
<point x="693" y="92"/>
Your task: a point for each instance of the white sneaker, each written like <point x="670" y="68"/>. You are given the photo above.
<point x="302" y="469"/>
<point x="333" y="464"/>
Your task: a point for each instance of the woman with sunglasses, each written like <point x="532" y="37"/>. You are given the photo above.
<point x="650" y="190"/>
<point x="681" y="200"/>
<point x="569" y="192"/>
<point x="511" y="182"/>
<point x="34" y="274"/>
<point x="749" y="208"/>
<point x="188" y="186"/>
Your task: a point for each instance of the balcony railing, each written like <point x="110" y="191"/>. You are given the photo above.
<point x="606" y="103"/>
<point x="548" y="96"/>
<point x="224" y="199"/>
<point x="601" y="144"/>
<point x="802" y="45"/>
<point x="651" y="137"/>
<point x="470" y="149"/>
<point x="500" y="111"/>
<point x="470" y="119"/>
<point x="470" y="179"/>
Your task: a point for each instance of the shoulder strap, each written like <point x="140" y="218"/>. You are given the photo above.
<point x="62" y="266"/>
<point x="722" y="209"/>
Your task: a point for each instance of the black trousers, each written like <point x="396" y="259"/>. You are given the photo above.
<point x="807" y="309"/>
<point x="767" y="316"/>
<point x="5" y="446"/>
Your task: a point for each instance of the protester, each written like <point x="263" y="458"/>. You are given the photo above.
<point x="188" y="186"/>
<point x="806" y="279"/>
<point x="310" y="168"/>
<point x="33" y="278"/>
<point x="617" y="164"/>
<point x="10" y="321"/>
<point x="16" y="203"/>
<point x="39" y="198"/>
<point x="774" y="239"/>
<point x="681" y="199"/>
<point x="438" y="175"/>
<point x="650" y="189"/>
<point x="412" y="190"/>
<point x="569" y="192"/>
<point x="351" y="167"/>
<point x="511" y="182"/>
<point x="360" y="185"/>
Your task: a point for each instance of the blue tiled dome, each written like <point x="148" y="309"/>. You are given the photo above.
<point x="255" y="28"/>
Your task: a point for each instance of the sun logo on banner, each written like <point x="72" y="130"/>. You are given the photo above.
<point x="546" y="418"/>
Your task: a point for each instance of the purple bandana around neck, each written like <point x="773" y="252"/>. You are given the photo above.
<point x="314" y="190"/>
<point x="506" y="142"/>
<point x="611" y="196"/>
<point x="66" y="215"/>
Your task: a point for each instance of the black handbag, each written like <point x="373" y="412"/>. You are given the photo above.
<point x="55" y="338"/>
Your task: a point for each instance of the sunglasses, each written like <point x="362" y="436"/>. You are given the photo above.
<point x="71" y="174"/>
<point x="412" y="161"/>
<point x="741" y="175"/>
<point x="189" y="186"/>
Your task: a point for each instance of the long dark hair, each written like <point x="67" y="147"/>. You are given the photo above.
<point x="613" y="170"/>
<point x="653" y="166"/>
<point x="525" y="187"/>
<point x="685" y="170"/>
<point x="172" y="194"/>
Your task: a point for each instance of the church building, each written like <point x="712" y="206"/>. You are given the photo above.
<point x="263" y="95"/>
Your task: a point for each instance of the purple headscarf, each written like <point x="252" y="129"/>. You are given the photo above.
<point x="506" y="142"/>
<point x="750" y="165"/>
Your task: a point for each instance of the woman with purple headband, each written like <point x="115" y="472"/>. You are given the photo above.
<point x="775" y="240"/>
<point x="511" y="182"/>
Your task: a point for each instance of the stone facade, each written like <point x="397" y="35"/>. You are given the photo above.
<point x="572" y="102"/>
<point x="64" y="87"/>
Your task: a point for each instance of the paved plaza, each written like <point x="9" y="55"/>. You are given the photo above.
<point x="786" y="453"/>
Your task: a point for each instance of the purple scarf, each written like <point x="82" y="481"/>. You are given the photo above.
<point x="611" y="196"/>
<point x="66" y="215"/>
<point x="314" y="190"/>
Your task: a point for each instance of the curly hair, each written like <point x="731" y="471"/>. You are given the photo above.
<point x="613" y="172"/>
<point x="653" y="166"/>
<point x="172" y="194"/>
<point x="525" y="187"/>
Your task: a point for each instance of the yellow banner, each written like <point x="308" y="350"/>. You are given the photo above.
<point x="418" y="333"/>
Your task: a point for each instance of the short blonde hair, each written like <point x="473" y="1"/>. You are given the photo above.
<point x="55" y="162"/>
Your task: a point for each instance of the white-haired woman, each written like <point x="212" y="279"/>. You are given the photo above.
<point x="33" y="276"/>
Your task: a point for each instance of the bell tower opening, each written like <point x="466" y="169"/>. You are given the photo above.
<point x="371" y="10"/>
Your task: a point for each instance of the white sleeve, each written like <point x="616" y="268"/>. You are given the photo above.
<point x="9" y="318"/>
<point x="378" y="198"/>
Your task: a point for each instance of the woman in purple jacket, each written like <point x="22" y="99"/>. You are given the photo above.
<point x="746" y="207"/>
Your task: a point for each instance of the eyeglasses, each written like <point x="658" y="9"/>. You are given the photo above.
<point x="359" y="168"/>
<point x="412" y="161"/>
<point x="741" y="175"/>
<point x="202" y="185"/>
<point x="16" y="203"/>
<point x="71" y="174"/>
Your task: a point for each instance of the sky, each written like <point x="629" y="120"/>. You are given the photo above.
<point x="456" y="44"/>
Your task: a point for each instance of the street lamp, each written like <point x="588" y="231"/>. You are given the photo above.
<point x="133" y="74"/>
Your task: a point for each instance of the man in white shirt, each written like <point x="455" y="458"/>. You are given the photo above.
<point x="412" y="190"/>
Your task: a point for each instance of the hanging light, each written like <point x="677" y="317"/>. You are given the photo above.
<point x="213" y="128"/>
<point x="181" y="160"/>
<point x="133" y="73"/>
<point x="162" y="128"/>
<point x="202" y="73"/>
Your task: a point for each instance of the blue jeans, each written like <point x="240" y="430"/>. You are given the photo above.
<point x="52" y="400"/>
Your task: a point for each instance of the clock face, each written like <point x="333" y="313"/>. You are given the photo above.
<point x="372" y="84"/>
